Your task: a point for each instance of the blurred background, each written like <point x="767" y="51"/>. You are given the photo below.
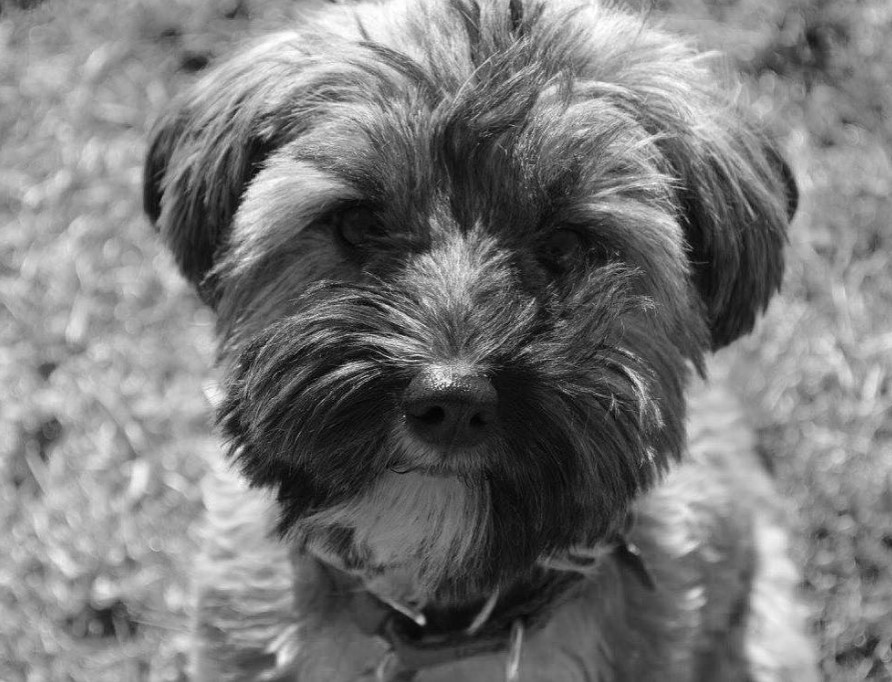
<point x="104" y="431"/>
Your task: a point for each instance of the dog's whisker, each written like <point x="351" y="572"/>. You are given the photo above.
<point x="512" y="665"/>
<point x="414" y="615"/>
<point x="484" y="614"/>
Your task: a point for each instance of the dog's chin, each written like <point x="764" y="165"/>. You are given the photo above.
<point x="414" y="535"/>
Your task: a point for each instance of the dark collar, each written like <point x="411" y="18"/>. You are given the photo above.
<point x="447" y="635"/>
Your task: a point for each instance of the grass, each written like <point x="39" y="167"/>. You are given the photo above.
<point x="103" y="349"/>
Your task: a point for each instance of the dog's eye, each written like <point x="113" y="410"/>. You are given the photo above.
<point x="356" y="225"/>
<point x="561" y="248"/>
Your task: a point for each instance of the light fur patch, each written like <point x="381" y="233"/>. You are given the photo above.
<point x="285" y="197"/>
<point x="414" y="528"/>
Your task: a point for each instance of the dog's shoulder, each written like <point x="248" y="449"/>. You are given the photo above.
<point x="244" y="581"/>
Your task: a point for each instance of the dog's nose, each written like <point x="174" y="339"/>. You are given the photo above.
<point x="448" y="407"/>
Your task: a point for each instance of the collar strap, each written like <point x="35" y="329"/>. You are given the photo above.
<point x="410" y="652"/>
<point x="408" y="655"/>
<point x="403" y="664"/>
<point x="417" y="647"/>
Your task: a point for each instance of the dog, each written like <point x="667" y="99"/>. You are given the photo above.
<point x="468" y="259"/>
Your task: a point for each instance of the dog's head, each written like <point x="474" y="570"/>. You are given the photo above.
<point x="462" y="255"/>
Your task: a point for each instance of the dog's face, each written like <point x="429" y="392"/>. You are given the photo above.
<point x="462" y="256"/>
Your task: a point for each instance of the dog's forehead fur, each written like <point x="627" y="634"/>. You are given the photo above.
<point x="511" y="123"/>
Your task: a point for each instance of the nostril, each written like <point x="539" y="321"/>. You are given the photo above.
<point x="431" y="415"/>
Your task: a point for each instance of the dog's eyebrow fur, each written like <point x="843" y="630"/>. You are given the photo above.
<point x="288" y="196"/>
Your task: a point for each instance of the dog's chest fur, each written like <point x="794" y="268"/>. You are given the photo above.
<point x="398" y="523"/>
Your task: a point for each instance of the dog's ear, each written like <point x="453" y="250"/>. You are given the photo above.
<point x="737" y="196"/>
<point x="206" y="149"/>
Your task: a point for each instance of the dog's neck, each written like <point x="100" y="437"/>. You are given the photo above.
<point x="388" y="551"/>
<point x="422" y="636"/>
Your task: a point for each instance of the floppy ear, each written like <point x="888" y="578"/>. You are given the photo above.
<point x="737" y="196"/>
<point x="734" y="193"/>
<point x="205" y="151"/>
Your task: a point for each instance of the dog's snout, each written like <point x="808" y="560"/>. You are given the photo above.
<point x="450" y="407"/>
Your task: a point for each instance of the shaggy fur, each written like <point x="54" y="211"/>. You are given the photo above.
<point x="548" y="202"/>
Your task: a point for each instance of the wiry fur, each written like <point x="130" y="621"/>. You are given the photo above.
<point x="473" y="131"/>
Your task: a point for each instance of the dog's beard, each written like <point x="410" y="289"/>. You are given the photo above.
<point x="313" y="409"/>
<point x="404" y="535"/>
